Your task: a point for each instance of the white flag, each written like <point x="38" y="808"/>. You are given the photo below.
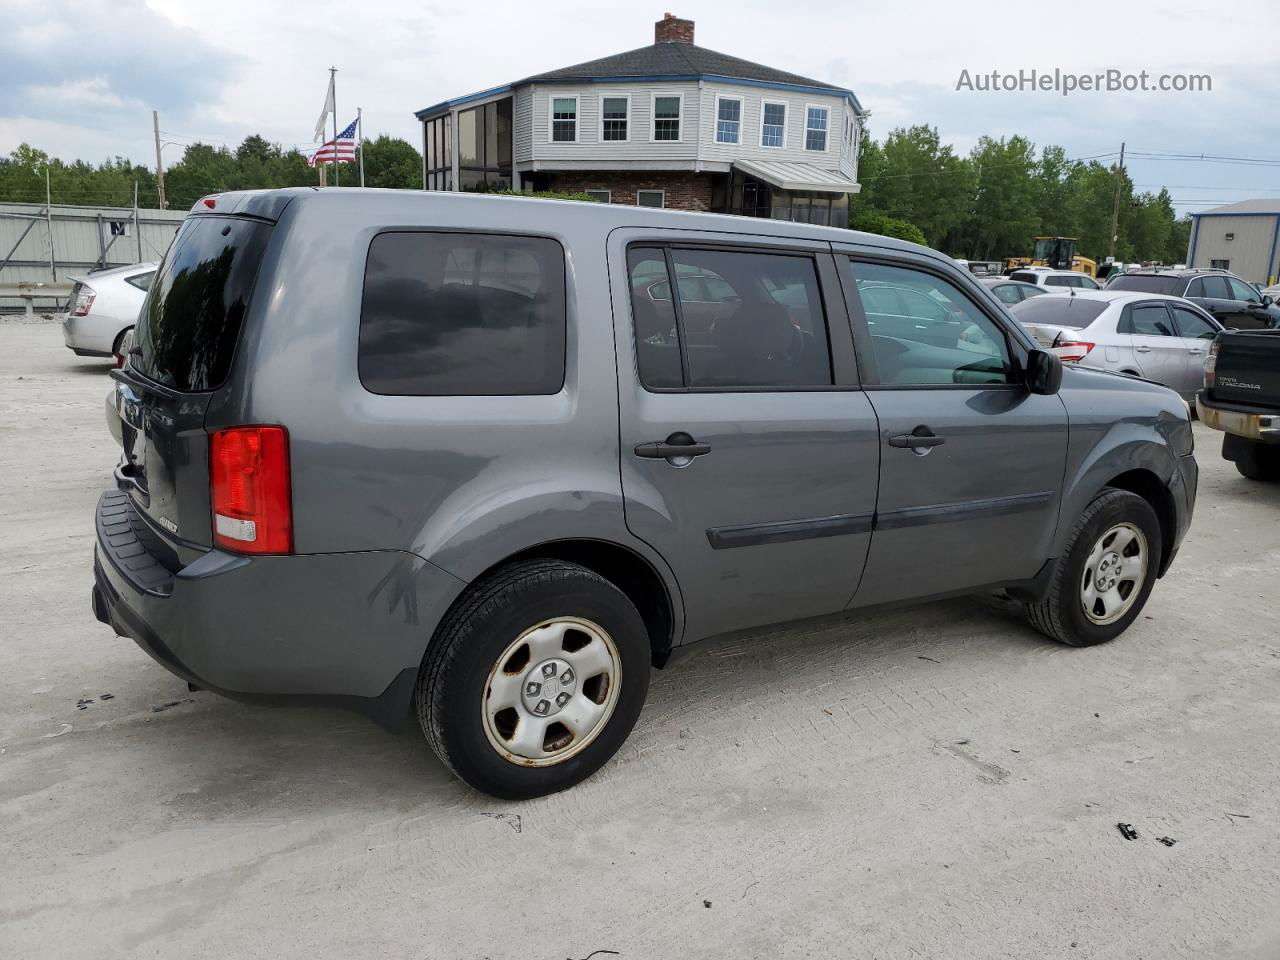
<point x="324" y="113"/>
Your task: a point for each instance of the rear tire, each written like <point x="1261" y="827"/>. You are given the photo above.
<point x="1106" y="572"/>
<point x="1259" y="461"/>
<point x="534" y="679"/>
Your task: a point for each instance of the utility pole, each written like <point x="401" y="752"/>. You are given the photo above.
<point x="137" y="227"/>
<point x="1115" y="206"/>
<point x="155" y="123"/>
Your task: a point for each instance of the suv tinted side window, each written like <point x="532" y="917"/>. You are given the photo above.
<point x="1242" y="291"/>
<point x="758" y="320"/>
<point x="1214" y="287"/>
<point x="458" y="314"/>
<point x="938" y="337"/>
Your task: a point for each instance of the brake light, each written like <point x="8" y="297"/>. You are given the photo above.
<point x="83" y="300"/>
<point x="1211" y="366"/>
<point x="249" y="490"/>
<point x="1072" y="351"/>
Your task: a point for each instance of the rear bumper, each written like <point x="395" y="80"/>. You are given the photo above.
<point x="1239" y="420"/>
<point x="91" y="335"/>
<point x="345" y="629"/>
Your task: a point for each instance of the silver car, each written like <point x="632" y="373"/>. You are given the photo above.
<point x="1149" y="335"/>
<point x="103" y="305"/>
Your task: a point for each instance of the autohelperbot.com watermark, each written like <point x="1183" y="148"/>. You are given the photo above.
<point x="1066" y="83"/>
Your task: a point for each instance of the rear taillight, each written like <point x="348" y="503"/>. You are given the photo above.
<point x="1071" y="351"/>
<point x="249" y="489"/>
<point x="1211" y="366"/>
<point x="82" y="300"/>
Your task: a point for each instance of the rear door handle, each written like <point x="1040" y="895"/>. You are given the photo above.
<point x="1141" y="349"/>
<point x="677" y="445"/>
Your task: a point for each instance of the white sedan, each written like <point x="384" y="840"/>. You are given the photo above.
<point x="103" y="304"/>
<point x="1149" y="335"/>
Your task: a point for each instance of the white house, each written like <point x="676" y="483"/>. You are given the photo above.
<point x="671" y="124"/>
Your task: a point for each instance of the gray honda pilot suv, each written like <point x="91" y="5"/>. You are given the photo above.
<point x="488" y="459"/>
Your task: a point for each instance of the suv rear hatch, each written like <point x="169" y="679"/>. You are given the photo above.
<point x="185" y="341"/>
<point x="1247" y="368"/>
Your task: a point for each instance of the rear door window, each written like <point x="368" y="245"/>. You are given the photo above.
<point x="191" y="320"/>
<point x="746" y="319"/>
<point x="463" y="314"/>
<point x="1215" y="288"/>
<point x="1150" y="320"/>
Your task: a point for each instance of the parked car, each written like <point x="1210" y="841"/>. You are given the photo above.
<point x="1012" y="291"/>
<point x="102" y="304"/>
<point x="1051" y="279"/>
<point x="1241" y="397"/>
<point x="1165" y="339"/>
<point x="1272" y="291"/>
<point x="1231" y="301"/>
<point x="431" y="467"/>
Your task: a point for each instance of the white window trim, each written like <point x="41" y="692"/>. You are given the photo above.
<point x="653" y="120"/>
<point x="786" y="119"/>
<point x="600" y="108"/>
<point x="608" y="194"/>
<point x="816" y="106"/>
<point x="715" y="120"/>
<point x="551" y="117"/>
<point x="654" y="190"/>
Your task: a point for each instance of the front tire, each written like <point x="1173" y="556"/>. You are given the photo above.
<point x="534" y="679"/>
<point x="1106" y="573"/>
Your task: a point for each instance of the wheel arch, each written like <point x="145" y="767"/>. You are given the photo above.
<point x="1147" y="485"/>
<point x="656" y="599"/>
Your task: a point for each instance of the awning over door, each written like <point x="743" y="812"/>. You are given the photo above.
<point x="786" y="175"/>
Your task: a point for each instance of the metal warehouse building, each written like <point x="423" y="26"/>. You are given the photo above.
<point x="1241" y="237"/>
<point x="48" y="245"/>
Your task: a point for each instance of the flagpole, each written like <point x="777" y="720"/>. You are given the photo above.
<point x="333" y="82"/>
<point x="360" y="128"/>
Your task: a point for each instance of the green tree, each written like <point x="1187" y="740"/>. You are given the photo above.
<point x="873" y="221"/>
<point x="1005" y="205"/>
<point x="914" y="177"/>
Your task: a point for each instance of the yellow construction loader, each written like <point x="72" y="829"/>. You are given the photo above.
<point x="1057" y="253"/>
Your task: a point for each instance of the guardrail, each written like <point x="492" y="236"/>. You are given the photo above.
<point x="30" y="290"/>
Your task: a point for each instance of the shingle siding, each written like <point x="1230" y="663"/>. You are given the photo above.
<point x="522" y="122"/>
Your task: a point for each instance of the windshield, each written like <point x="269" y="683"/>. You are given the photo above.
<point x="191" y="320"/>
<point x="1148" y="283"/>
<point x="1059" y="311"/>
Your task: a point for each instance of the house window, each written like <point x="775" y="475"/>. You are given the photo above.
<point x="666" y="117"/>
<point x="728" y="119"/>
<point x="651" y="198"/>
<point x="438" y="158"/>
<point x="603" y="196"/>
<point x="1219" y="264"/>
<point x="564" y="119"/>
<point x="613" y="118"/>
<point x="773" y="127"/>
<point x="815" y="128"/>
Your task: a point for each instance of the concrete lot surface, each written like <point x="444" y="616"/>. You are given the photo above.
<point x="932" y="782"/>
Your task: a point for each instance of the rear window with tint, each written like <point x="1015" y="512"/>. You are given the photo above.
<point x="1024" y="277"/>
<point x="1059" y="311"/>
<point x="191" y="320"/>
<point x="1147" y="283"/>
<point x="460" y="314"/>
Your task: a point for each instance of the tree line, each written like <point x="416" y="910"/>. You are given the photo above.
<point x="984" y="206"/>
<point x="204" y="169"/>
<point x="992" y="203"/>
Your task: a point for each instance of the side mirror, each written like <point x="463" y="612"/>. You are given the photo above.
<point x="1268" y="299"/>
<point x="1044" y="373"/>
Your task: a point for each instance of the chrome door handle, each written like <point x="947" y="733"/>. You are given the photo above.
<point x="1195" y="352"/>
<point x="1141" y="349"/>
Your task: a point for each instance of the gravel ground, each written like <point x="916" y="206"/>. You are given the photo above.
<point x="933" y="782"/>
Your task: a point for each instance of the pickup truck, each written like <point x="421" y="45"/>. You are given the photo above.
<point x="1241" y="397"/>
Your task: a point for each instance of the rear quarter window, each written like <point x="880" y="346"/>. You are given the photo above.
<point x="459" y="314"/>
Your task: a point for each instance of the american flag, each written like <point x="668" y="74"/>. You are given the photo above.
<point x="342" y="149"/>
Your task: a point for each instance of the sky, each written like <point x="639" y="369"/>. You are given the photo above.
<point x="80" y="78"/>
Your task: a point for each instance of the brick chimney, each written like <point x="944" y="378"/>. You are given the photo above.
<point x="671" y="29"/>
